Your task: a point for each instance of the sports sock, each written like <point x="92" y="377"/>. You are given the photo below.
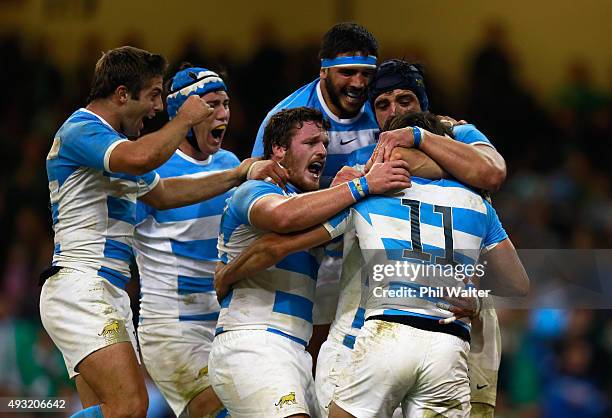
<point x="91" y="412"/>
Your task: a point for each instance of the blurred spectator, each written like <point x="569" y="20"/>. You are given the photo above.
<point x="502" y="108"/>
<point x="573" y="392"/>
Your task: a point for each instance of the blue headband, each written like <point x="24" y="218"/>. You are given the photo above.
<point x="359" y="60"/>
<point x="194" y="80"/>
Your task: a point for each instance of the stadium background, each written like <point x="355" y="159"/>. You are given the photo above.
<point x="535" y="77"/>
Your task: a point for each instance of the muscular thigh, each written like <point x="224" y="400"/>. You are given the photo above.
<point x="113" y="374"/>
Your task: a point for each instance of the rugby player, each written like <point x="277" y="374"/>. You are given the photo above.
<point x="258" y="363"/>
<point x="348" y="56"/>
<point x="176" y="252"/>
<point x="432" y="378"/>
<point x="398" y="88"/>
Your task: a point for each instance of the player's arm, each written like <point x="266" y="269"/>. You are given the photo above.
<point x="152" y="150"/>
<point x="265" y="252"/>
<point x="421" y="165"/>
<point x="181" y="191"/>
<point x="505" y="274"/>
<point x="283" y="215"/>
<point x="477" y="165"/>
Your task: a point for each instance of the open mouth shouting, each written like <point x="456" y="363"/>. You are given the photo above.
<point x="316" y="168"/>
<point x="218" y="131"/>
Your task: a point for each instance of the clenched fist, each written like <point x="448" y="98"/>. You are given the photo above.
<point x="195" y="110"/>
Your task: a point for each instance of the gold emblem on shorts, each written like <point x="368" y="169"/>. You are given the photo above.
<point x="114" y="332"/>
<point x="110" y="328"/>
<point x="284" y="400"/>
<point x="203" y="372"/>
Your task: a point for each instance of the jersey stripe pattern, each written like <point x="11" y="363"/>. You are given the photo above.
<point x="350" y="313"/>
<point x="93" y="209"/>
<point x="176" y="249"/>
<point x="417" y="226"/>
<point x="345" y="135"/>
<point x="279" y="299"/>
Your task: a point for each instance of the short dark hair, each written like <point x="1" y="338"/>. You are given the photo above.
<point x="127" y="66"/>
<point x="425" y="120"/>
<point x="282" y="125"/>
<point x="347" y="37"/>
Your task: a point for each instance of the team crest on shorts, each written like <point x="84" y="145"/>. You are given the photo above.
<point x="203" y="372"/>
<point x="286" y="400"/>
<point x="114" y="331"/>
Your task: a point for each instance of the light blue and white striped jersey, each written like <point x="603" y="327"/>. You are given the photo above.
<point x="434" y="222"/>
<point x="279" y="299"/>
<point x="350" y="313"/>
<point x="469" y="134"/>
<point x="93" y="210"/>
<point x="345" y="135"/>
<point x="176" y="249"/>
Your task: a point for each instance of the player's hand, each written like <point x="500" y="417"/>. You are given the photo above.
<point x="195" y="110"/>
<point x="467" y="307"/>
<point x="267" y="170"/>
<point x="450" y="122"/>
<point x="221" y="289"/>
<point x="386" y="142"/>
<point x="392" y="175"/>
<point x="345" y="174"/>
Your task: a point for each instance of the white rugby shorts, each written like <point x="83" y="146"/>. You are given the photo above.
<point x="393" y="363"/>
<point x="485" y="355"/>
<point x="333" y="358"/>
<point x="175" y="355"/>
<point x="258" y="374"/>
<point x="83" y="312"/>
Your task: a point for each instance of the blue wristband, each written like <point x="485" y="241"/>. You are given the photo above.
<point x="354" y="192"/>
<point x="357" y="189"/>
<point x="364" y="186"/>
<point x="416" y="133"/>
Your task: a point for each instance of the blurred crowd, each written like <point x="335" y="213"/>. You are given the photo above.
<point x="557" y="194"/>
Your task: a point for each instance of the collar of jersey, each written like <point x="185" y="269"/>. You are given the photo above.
<point x="329" y="113"/>
<point x="193" y="160"/>
<point x="101" y="120"/>
<point x="291" y="189"/>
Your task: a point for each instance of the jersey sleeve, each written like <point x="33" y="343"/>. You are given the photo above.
<point x="90" y="145"/>
<point x="469" y="134"/>
<point x="229" y="160"/>
<point x="495" y="231"/>
<point x="248" y="194"/>
<point x="147" y="182"/>
<point x="359" y="157"/>
<point x="338" y="224"/>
